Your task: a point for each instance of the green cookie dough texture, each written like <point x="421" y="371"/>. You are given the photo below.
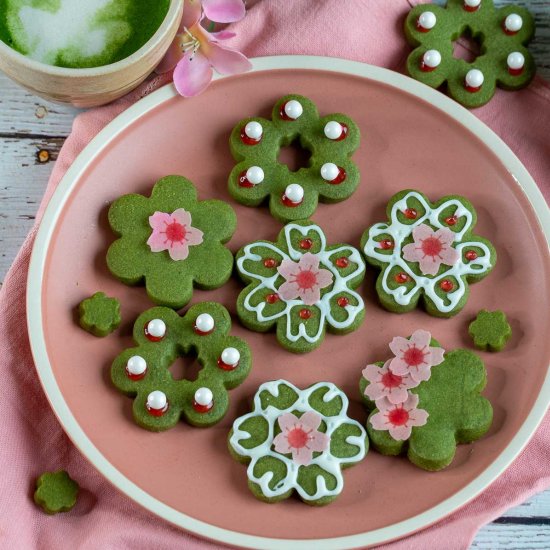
<point x="490" y="330"/>
<point x="56" y="492"/>
<point x="486" y="25"/>
<point x="317" y="414"/>
<point x="99" y="314"/>
<point x="269" y="179"/>
<point x="402" y="283"/>
<point x="191" y="251"/>
<point x="162" y="336"/>
<point x="301" y="318"/>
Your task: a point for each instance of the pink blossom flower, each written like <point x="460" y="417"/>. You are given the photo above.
<point x="431" y="248"/>
<point x="399" y="419"/>
<point x="303" y="279"/>
<point x="173" y="232"/>
<point x="195" y="51"/>
<point x="415" y="356"/>
<point x="301" y="436"/>
<point x="385" y="383"/>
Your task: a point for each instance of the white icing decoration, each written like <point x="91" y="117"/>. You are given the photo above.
<point x="157" y="400"/>
<point x="329" y="171"/>
<point x="325" y="460"/>
<point x="427" y="20"/>
<point x="513" y="22"/>
<point x="253" y="130"/>
<point x="515" y="60"/>
<point x="255" y="175"/>
<point x="230" y="356"/>
<point x="432" y="58"/>
<point x="400" y="231"/>
<point x="474" y="78"/>
<point x="204" y="396"/>
<point x="293" y="109"/>
<point x="472" y="3"/>
<point x="136" y="365"/>
<point x="204" y="322"/>
<point x="294" y="192"/>
<point x="156" y="328"/>
<point x="340" y="284"/>
<point x="333" y="129"/>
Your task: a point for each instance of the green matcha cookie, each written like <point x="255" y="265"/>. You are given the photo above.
<point x="171" y="241"/>
<point x="162" y="336"/>
<point x="297" y="440"/>
<point x="330" y="177"/>
<point x="99" y="314"/>
<point x="490" y="330"/>
<point x="56" y="492"/>
<point x="504" y="60"/>
<point x="424" y="401"/>
<point x="301" y="286"/>
<point x="427" y="250"/>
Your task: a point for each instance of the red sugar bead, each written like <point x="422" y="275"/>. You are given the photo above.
<point x="272" y="298"/>
<point x="305" y="313"/>
<point x="387" y="244"/>
<point x="401" y="278"/>
<point x="270" y="263"/>
<point x="451" y="220"/>
<point x="471" y="255"/>
<point x="342" y="262"/>
<point x="410" y="213"/>
<point x="446" y="285"/>
<point x="342" y="301"/>
<point x="306" y="244"/>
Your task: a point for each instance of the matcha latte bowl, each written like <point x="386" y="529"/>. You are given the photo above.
<point x="93" y="86"/>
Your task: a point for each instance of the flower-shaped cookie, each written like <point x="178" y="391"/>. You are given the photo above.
<point x="56" y="492"/>
<point x="301" y="285"/>
<point x="427" y="250"/>
<point x="162" y="336"/>
<point x="425" y="412"/>
<point x="490" y="330"/>
<point x="99" y="314"/>
<point x="502" y="33"/>
<point x="331" y="175"/>
<point x="171" y="241"/>
<point x="297" y="440"/>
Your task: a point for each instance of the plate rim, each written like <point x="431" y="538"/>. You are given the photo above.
<point x="77" y="435"/>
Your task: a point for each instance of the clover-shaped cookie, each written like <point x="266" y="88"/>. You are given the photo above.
<point x="171" y="241"/>
<point x="56" y="492"/>
<point x="99" y="314"/>
<point x="490" y="330"/>
<point x="504" y="60"/>
<point x="162" y="336"/>
<point x="301" y="285"/>
<point x="331" y="175"/>
<point x="297" y="440"/>
<point x="427" y="250"/>
<point x="424" y="401"/>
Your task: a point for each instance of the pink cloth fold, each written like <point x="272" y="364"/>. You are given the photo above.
<point x="32" y="440"/>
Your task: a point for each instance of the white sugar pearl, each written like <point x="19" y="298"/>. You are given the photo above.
<point x="432" y="58"/>
<point x="472" y="3"/>
<point x="427" y="20"/>
<point x="293" y="109"/>
<point x="203" y="396"/>
<point x="513" y="22"/>
<point x="156" y="328"/>
<point x="136" y="365"/>
<point x="157" y="400"/>
<point x="329" y="171"/>
<point x="204" y="322"/>
<point x="294" y="192"/>
<point x="474" y="78"/>
<point x="255" y="175"/>
<point x="253" y="130"/>
<point x="231" y="356"/>
<point x="333" y="129"/>
<point x="515" y="60"/>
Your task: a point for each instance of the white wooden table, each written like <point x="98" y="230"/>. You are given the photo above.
<point x="31" y="133"/>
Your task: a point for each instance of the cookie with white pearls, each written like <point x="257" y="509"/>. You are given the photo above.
<point x="161" y="336"/>
<point x="259" y="177"/>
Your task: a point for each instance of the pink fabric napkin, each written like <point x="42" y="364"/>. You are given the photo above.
<point x="32" y="440"/>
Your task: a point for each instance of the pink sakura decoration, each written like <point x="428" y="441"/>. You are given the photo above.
<point x="303" y="279"/>
<point x="383" y="383"/>
<point x="431" y="248"/>
<point x="195" y="51"/>
<point x="415" y="356"/>
<point x="173" y="232"/>
<point x="301" y="436"/>
<point x="399" y="419"/>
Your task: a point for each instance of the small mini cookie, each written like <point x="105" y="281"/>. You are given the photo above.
<point x="171" y="241"/>
<point x="424" y="401"/>
<point x="427" y="250"/>
<point x="331" y="175"/>
<point x="56" y="492"/>
<point x="301" y="286"/>
<point x="297" y="440"/>
<point x="504" y="60"/>
<point x="99" y="314"/>
<point x="490" y="330"/>
<point x="162" y="336"/>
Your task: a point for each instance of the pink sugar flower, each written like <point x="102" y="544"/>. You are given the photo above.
<point x="431" y="248"/>
<point x="303" y="279"/>
<point x="415" y="356"/>
<point x="385" y="383"/>
<point x="173" y="232"/>
<point x="195" y="51"/>
<point x="399" y="419"/>
<point x="301" y="436"/>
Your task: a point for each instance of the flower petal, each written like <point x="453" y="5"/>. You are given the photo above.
<point x="159" y="220"/>
<point x="372" y="373"/>
<point x="412" y="253"/>
<point x="400" y="433"/>
<point x="287" y="421"/>
<point x="421" y="338"/>
<point x="397" y="395"/>
<point x="311" y="420"/>
<point x="418" y="417"/>
<point x="412" y="402"/>
<point x="319" y="441"/>
<point x="378" y="421"/>
<point x="223" y="35"/>
<point x="449" y="256"/>
<point x="157" y="241"/>
<point x="421" y="373"/>
<point x="171" y="57"/>
<point x="289" y="291"/>
<point x="192" y="74"/>
<point x="436" y="356"/>
<point x="324" y="278"/>
<point x="224" y="11"/>
<point x="182" y="216"/>
<point x="226" y="60"/>
<point x="288" y="269"/>
<point x="309" y="262"/>
<point x="193" y="236"/>
<point x="192" y="14"/>
<point x="422" y="232"/>
<point x="302" y="456"/>
<point x="399" y="346"/>
<point x="310" y="296"/>
<point x="445" y="235"/>
<point x="178" y="250"/>
<point x="280" y="443"/>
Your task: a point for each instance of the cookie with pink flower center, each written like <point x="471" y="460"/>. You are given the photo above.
<point x="383" y="383"/>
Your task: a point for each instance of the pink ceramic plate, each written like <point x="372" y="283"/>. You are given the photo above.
<point x="412" y="137"/>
